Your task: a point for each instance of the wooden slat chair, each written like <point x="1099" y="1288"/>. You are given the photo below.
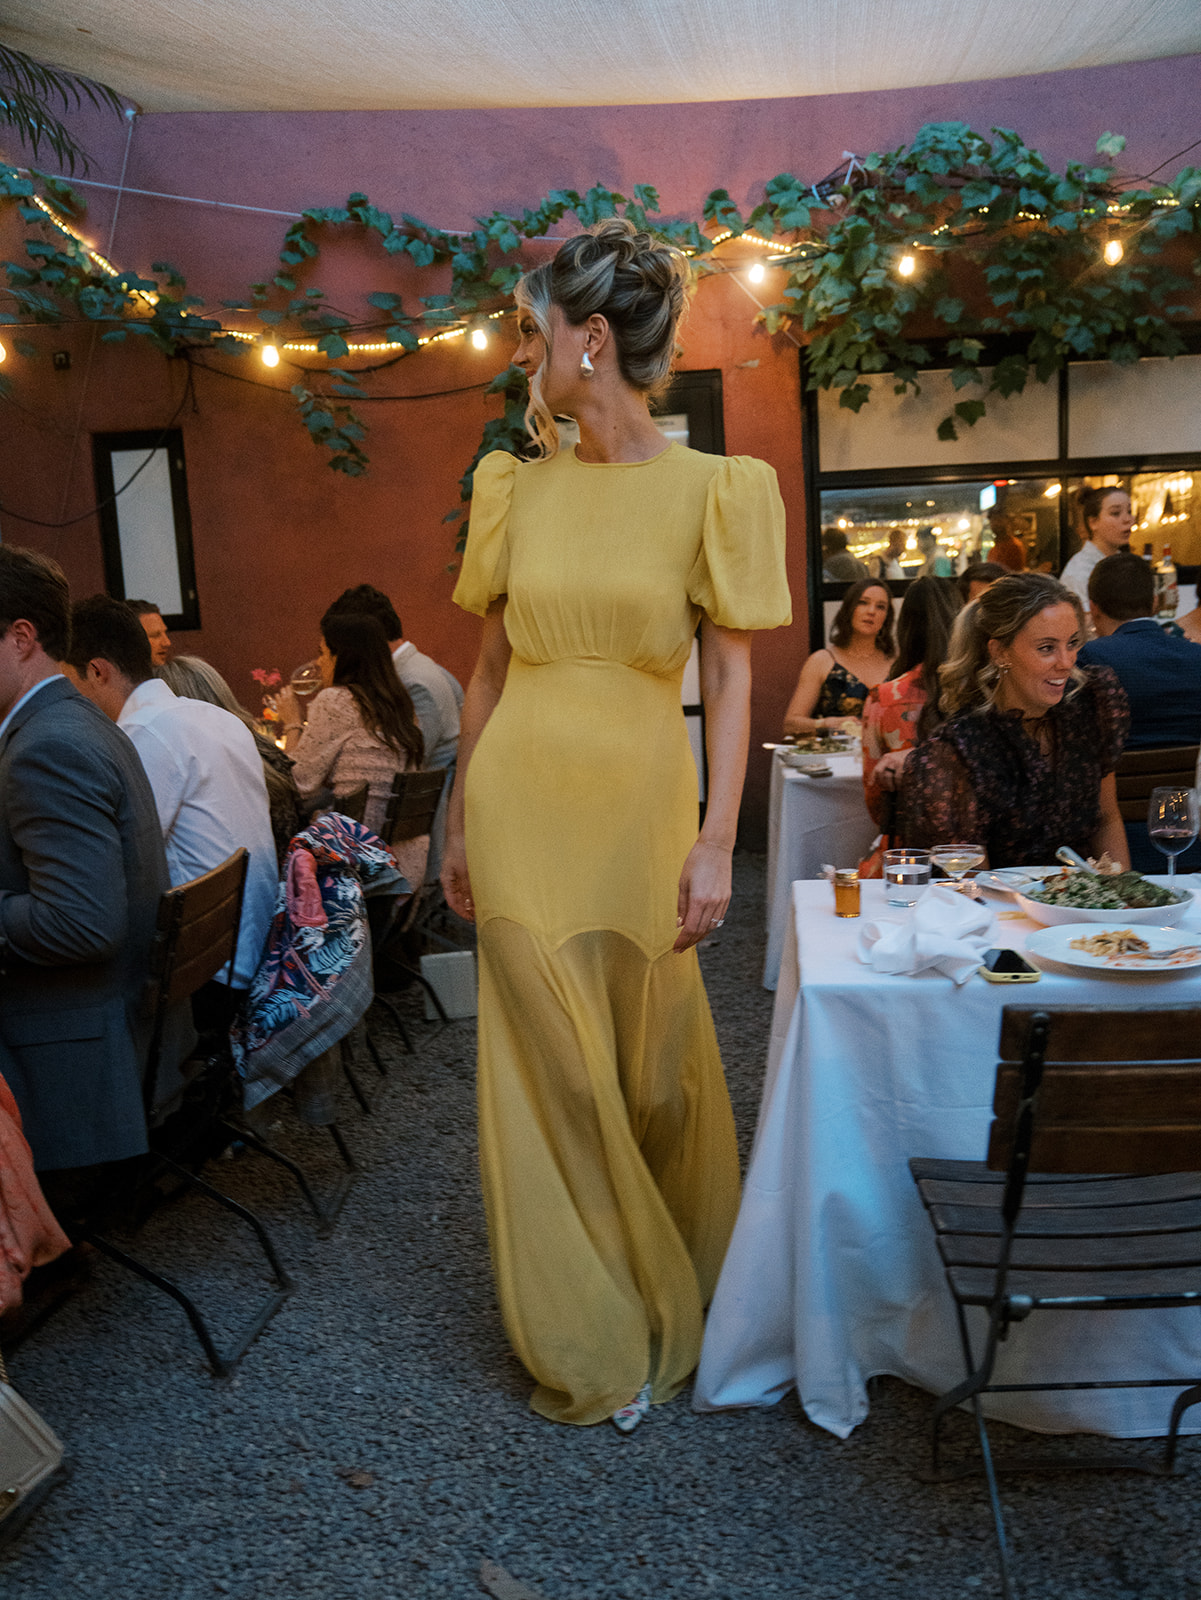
<point x="412" y="806"/>
<point x="352" y="805"/>
<point x="1140" y="771"/>
<point x="196" y="937"/>
<point x="1078" y="1092"/>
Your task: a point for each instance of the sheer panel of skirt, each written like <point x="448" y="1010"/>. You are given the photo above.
<point x="609" y="1163"/>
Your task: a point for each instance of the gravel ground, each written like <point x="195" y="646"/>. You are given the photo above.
<point x="376" y="1442"/>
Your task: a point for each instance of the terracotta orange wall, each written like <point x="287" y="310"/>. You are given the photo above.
<point x="277" y="534"/>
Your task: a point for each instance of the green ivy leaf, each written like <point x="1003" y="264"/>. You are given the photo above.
<point x="970" y="411"/>
<point x="947" y="431"/>
<point x="1111" y="144"/>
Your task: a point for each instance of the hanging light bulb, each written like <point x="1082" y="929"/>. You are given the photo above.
<point x="1113" y="252"/>
<point x="479" y="338"/>
<point x="757" y="273"/>
<point x="907" y="266"/>
<point x="3" y="352"/>
<point x="270" y="355"/>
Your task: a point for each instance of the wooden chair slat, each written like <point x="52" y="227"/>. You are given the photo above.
<point x="1128" y="1252"/>
<point x="982" y="1187"/>
<point x="413" y="804"/>
<point x="1098" y="1033"/>
<point x="1100" y="1092"/>
<point x="1080" y="1148"/>
<point x="1072" y="1221"/>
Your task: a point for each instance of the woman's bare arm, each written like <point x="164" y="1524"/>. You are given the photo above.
<point x="799" y="717"/>
<point x="1111" y="832"/>
<point x="704" y="894"/>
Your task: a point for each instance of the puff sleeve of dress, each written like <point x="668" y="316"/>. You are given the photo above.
<point x="485" y="572"/>
<point x="739" y="579"/>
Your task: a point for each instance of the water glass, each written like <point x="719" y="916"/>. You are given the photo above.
<point x="906" y="874"/>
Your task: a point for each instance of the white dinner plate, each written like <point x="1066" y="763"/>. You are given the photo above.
<point x="1010" y="879"/>
<point x="1056" y="945"/>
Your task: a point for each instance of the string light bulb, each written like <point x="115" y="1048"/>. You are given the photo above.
<point x="270" y="355"/>
<point x="3" y="351"/>
<point x="1113" y="252"/>
<point x="757" y="273"/>
<point x="479" y="338"/>
<point x="907" y="266"/>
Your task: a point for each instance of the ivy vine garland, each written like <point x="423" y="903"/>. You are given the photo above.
<point x="953" y="236"/>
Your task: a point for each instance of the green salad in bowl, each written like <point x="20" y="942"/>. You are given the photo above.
<point x="1074" y="896"/>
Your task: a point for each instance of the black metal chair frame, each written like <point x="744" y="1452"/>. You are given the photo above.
<point x="978" y="1237"/>
<point x="179" y="1144"/>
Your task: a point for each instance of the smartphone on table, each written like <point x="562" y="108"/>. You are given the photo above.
<point x="1007" y="966"/>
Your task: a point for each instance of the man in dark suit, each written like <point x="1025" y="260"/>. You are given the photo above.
<point x="1160" y="674"/>
<point x="82" y="868"/>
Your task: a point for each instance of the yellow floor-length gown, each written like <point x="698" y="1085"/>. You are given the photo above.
<point x="607" y="1151"/>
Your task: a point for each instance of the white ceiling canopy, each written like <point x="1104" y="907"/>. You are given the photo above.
<point x="343" y="55"/>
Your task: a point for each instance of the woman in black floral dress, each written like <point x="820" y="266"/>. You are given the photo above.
<point x="1025" y="761"/>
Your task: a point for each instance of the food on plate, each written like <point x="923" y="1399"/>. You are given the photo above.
<point x="1122" y="891"/>
<point x="817" y="744"/>
<point x="1113" y="942"/>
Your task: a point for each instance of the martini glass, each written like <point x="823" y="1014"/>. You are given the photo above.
<point x="956" y="859"/>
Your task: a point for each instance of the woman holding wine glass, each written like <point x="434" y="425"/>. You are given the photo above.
<point x="1024" y="762"/>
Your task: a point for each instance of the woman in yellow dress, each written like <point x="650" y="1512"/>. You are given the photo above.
<point x="607" y="1151"/>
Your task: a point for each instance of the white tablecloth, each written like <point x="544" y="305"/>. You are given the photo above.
<point x="810" y="821"/>
<point x="832" y="1275"/>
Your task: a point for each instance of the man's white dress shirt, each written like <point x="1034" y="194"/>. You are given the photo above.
<point x="207" y="778"/>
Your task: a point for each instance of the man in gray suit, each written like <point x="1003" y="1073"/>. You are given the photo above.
<point x="82" y="868"/>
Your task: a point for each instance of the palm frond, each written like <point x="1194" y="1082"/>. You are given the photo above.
<point x="27" y="89"/>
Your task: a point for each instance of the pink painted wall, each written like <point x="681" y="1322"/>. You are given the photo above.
<point x="276" y="533"/>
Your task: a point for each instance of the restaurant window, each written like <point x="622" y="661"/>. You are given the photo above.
<point x="1013" y="477"/>
<point x="145" y="521"/>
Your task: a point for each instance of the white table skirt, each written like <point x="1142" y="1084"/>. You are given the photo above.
<point x="810" y="821"/>
<point x="832" y="1275"/>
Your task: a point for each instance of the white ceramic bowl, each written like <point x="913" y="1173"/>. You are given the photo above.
<point x="1157" y="916"/>
<point x="806" y="761"/>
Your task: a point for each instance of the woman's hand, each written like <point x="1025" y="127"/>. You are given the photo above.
<point x="456" y="885"/>
<point x="888" y="770"/>
<point x="704" y="896"/>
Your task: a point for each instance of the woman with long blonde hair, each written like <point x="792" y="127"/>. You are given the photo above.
<point x="1024" y="761"/>
<point x="607" y="1149"/>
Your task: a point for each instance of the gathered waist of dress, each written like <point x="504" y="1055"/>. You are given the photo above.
<point x="670" y="677"/>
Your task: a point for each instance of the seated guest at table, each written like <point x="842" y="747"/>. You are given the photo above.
<point x="149" y="615"/>
<point x="82" y="870"/>
<point x="361" y="728"/>
<point x="1024" y="761"/>
<point x="834" y="682"/>
<point x="975" y="579"/>
<point x="193" y="679"/>
<point x="904" y="708"/>
<point x="204" y="771"/>
<point x="1108" y="518"/>
<point x="1161" y="677"/>
<point x="436" y="694"/>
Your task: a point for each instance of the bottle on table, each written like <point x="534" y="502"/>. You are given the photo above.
<point x="1167" y="594"/>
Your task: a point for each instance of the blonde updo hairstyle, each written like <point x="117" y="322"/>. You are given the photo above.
<point x="637" y="283"/>
<point x="969" y="676"/>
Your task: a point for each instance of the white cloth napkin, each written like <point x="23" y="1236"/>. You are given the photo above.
<point x="945" y="932"/>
